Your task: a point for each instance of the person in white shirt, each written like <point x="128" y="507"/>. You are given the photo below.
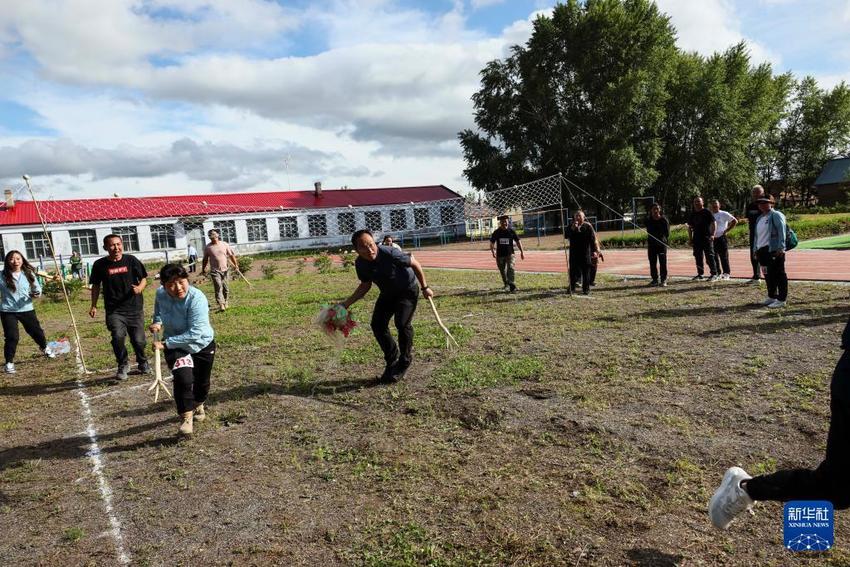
<point x="725" y="222"/>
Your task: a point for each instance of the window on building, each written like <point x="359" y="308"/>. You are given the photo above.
<point x="345" y="223"/>
<point x="129" y="236"/>
<point x="36" y="246"/>
<point x="84" y="242"/>
<point x="398" y="220"/>
<point x="422" y="217"/>
<point x="447" y="215"/>
<point x="288" y="227"/>
<point x="226" y="230"/>
<point x="318" y="225"/>
<point x="257" y="230"/>
<point x="373" y="221"/>
<point x="162" y="236"/>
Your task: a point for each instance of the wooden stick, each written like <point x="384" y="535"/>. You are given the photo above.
<point x="449" y="336"/>
<point x="157" y="372"/>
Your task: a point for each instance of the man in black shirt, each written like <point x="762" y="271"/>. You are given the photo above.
<point x="502" y="248"/>
<point x="396" y="275"/>
<point x="752" y="214"/>
<point x="701" y="229"/>
<point x="583" y="248"/>
<point x="658" y="230"/>
<point x="123" y="279"/>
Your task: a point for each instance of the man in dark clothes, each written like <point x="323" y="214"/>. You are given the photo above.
<point x="701" y="229"/>
<point x="395" y="274"/>
<point x="502" y="247"/>
<point x="583" y="247"/>
<point x="752" y="214"/>
<point x="123" y="279"/>
<point x="738" y="492"/>
<point x="658" y="229"/>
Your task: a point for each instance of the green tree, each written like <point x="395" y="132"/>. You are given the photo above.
<point x="816" y="129"/>
<point x="585" y="97"/>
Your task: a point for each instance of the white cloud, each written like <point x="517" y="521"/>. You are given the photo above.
<point x="478" y="4"/>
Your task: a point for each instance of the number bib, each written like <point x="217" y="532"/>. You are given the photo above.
<point x="184" y="362"/>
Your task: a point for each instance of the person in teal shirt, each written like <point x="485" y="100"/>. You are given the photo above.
<point x="182" y="314"/>
<point x="18" y="286"/>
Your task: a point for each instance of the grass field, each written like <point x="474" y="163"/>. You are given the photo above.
<point x="840" y="242"/>
<point x="564" y="431"/>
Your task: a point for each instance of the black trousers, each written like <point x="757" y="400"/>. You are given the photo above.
<point x="754" y="261"/>
<point x="191" y="373"/>
<point x="401" y="308"/>
<point x="10" y="331"/>
<point x="721" y="255"/>
<point x="831" y="480"/>
<point x="580" y="268"/>
<point x="121" y="325"/>
<point x="704" y="247"/>
<point x="775" y="276"/>
<point x="659" y="254"/>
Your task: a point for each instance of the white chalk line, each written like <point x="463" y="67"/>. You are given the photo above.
<point x="94" y="455"/>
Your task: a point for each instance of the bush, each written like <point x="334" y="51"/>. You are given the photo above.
<point x="245" y="263"/>
<point x="52" y="289"/>
<point x="323" y="263"/>
<point x="269" y="271"/>
<point x="348" y="258"/>
<point x="299" y="265"/>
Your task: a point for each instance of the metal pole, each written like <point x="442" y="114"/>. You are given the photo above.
<point x="566" y="253"/>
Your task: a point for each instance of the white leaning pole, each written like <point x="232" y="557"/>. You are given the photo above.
<point x="80" y="358"/>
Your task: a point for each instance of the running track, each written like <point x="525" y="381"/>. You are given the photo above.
<point x="823" y="265"/>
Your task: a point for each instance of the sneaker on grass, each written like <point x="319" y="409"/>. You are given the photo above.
<point x="697" y="277"/>
<point x="767" y="301"/>
<point x="730" y="499"/>
<point x="776" y="304"/>
<point x="49" y="353"/>
<point x="10" y="368"/>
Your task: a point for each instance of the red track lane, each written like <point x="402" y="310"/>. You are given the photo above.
<point x="825" y="265"/>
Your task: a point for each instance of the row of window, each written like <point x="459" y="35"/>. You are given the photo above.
<point x="162" y="235"/>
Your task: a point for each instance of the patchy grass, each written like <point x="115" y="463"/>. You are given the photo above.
<point x="562" y="431"/>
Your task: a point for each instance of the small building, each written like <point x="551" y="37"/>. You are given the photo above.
<point x="833" y="184"/>
<point x="154" y="228"/>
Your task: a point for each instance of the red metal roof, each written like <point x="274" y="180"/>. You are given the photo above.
<point x="129" y="208"/>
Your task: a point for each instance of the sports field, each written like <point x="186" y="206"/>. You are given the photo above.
<point x="840" y="242"/>
<point x="563" y="431"/>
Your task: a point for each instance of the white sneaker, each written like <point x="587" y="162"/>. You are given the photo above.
<point x="726" y="277"/>
<point x="49" y="353"/>
<point x="768" y="301"/>
<point x="10" y="368"/>
<point x="506" y="288"/>
<point x="729" y="499"/>
<point x="713" y="278"/>
<point x="776" y="304"/>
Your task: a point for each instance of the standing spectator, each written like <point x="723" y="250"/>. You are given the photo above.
<point x="193" y="257"/>
<point x="701" y="229"/>
<point x="753" y="213"/>
<point x="583" y="247"/>
<point x="395" y="274"/>
<point x="218" y="253"/>
<point x="724" y="223"/>
<point x="388" y="241"/>
<point x="738" y="491"/>
<point x="769" y="250"/>
<point x="19" y="286"/>
<point x="123" y="279"/>
<point x="502" y="248"/>
<point x="182" y="313"/>
<point x="76" y="265"/>
<point x="658" y="229"/>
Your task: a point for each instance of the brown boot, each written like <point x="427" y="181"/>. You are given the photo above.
<point x="185" y="424"/>
<point x="200" y="413"/>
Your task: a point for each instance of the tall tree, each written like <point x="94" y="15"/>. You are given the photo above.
<point x="585" y="97"/>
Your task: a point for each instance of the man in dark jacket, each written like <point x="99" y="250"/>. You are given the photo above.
<point x="658" y="231"/>
<point x="583" y="249"/>
<point x="752" y="214"/>
<point x="701" y="229"/>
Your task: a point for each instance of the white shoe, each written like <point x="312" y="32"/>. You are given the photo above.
<point x="506" y="288"/>
<point x="729" y="499"/>
<point x="49" y="353"/>
<point x="776" y="304"/>
<point x="713" y="278"/>
<point x="768" y="301"/>
<point x="726" y="277"/>
<point x="10" y="368"/>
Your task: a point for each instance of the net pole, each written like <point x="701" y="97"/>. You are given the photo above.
<point x="80" y="358"/>
<point x="564" y="243"/>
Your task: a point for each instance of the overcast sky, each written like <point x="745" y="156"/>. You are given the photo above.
<point x="152" y="97"/>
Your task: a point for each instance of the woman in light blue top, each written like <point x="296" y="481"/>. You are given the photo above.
<point x="19" y="286"/>
<point x="182" y="313"/>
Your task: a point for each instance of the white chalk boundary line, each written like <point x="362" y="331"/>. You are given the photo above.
<point x="94" y="455"/>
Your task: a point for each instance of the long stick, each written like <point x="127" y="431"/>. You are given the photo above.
<point x="449" y="336"/>
<point x="157" y="372"/>
<point x="79" y="350"/>
<point x="236" y="267"/>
